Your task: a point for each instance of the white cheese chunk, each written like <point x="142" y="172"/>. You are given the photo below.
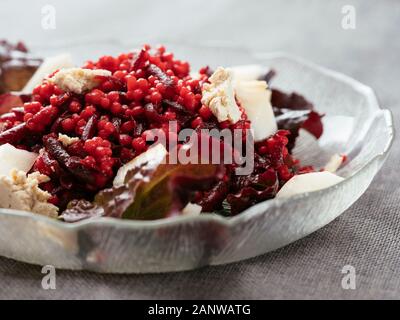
<point x="255" y="99"/>
<point x="48" y="66"/>
<point x="78" y="80"/>
<point x="219" y="96"/>
<point x="308" y="182"/>
<point x="21" y="192"/>
<point x="13" y="158"/>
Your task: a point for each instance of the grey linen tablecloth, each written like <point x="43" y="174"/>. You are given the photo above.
<point x="366" y="236"/>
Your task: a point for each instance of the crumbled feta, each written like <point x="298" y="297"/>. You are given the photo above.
<point x="78" y="80"/>
<point x="13" y="158"/>
<point x="66" y="140"/>
<point x="255" y="99"/>
<point x="308" y="182"/>
<point x="334" y="163"/>
<point x="219" y="96"/>
<point x="22" y="192"/>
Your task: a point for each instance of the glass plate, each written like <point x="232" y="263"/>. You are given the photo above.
<point x="182" y="243"/>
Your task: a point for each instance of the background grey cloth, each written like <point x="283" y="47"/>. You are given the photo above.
<point x="367" y="236"/>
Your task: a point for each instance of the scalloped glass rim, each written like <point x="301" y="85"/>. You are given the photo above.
<point x="230" y="222"/>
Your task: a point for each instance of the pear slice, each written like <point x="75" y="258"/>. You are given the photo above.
<point x="13" y="158"/>
<point x="255" y="98"/>
<point x="156" y="153"/>
<point x="48" y="66"/>
<point x="334" y="163"/>
<point x="248" y="72"/>
<point x="308" y="182"/>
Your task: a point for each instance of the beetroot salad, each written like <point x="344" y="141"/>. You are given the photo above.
<point x="106" y="139"/>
